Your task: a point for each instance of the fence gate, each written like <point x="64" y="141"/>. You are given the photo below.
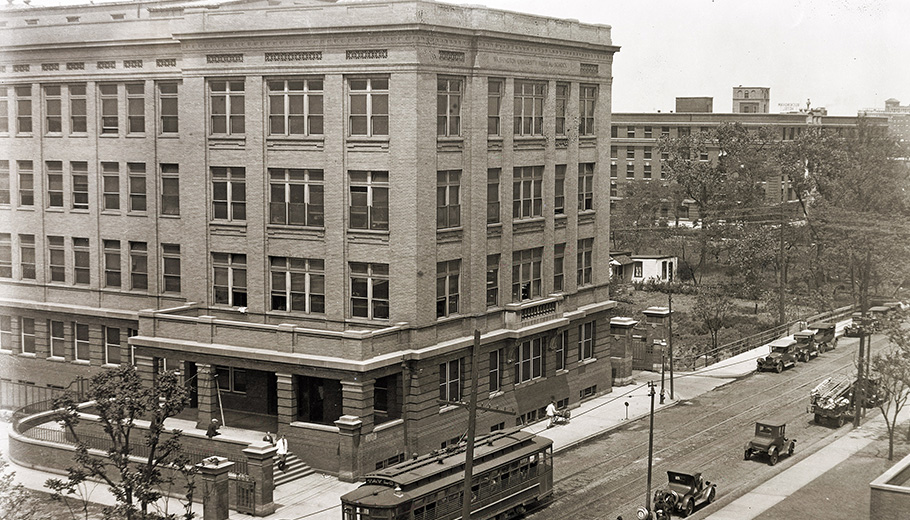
<point x="244" y="493"/>
<point x="641" y="354"/>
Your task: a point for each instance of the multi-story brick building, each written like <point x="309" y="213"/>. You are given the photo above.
<point x="242" y="190"/>
<point x="898" y="117"/>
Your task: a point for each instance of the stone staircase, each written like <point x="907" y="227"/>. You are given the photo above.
<point x="294" y="469"/>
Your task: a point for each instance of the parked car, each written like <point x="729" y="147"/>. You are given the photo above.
<point x="770" y="439"/>
<point x="783" y="355"/>
<point x="825" y="335"/>
<point x="806" y="347"/>
<point x="683" y="493"/>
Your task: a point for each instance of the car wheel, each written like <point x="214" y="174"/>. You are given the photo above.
<point x="772" y="456"/>
<point x="689" y="509"/>
<point x="840" y="421"/>
<point x="711" y="494"/>
<point x="818" y="419"/>
<point x="790" y="449"/>
<point x="748" y="455"/>
<point x="780" y="367"/>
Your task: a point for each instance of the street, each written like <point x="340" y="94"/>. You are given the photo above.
<point x="607" y="477"/>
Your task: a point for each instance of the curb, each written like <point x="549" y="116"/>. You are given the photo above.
<point x="616" y="426"/>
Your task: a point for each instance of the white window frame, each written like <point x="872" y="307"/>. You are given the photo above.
<point x="57" y="344"/>
<point x="285" y="269"/>
<point x="449" y="93"/>
<point x="373" y="275"/>
<point x="371" y="118"/>
<point x="108" y="345"/>
<point x="529" y="360"/>
<point x="287" y="181"/>
<point x="450" y="374"/>
<point x="234" y="265"/>
<point x="233" y="96"/>
<point x="26" y="337"/>
<point x="448" y="288"/>
<point x="586" y="334"/>
<point x="280" y="92"/>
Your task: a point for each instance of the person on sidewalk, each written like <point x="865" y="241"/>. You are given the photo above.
<point x="551" y="412"/>
<point x="282" y="452"/>
<point x="212" y="431"/>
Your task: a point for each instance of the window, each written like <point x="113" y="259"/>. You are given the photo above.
<point x="496" y="360"/>
<point x="647" y="172"/>
<point x="6" y="255"/>
<point x="614" y="132"/>
<point x="229" y="287"/>
<point x="450" y="380"/>
<point x="27" y="330"/>
<point x="586" y="105"/>
<point x="585" y="186"/>
<point x="448" y="107"/>
<point x="370" y="290"/>
<point x="135" y="108"/>
<point x="562" y="343"/>
<point x="137" y="186"/>
<point x="630" y="131"/>
<point x="110" y="178"/>
<point x="614" y="192"/>
<point x="559" y="258"/>
<point x="630" y="171"/>
<point x="228" y="193"/>
<point x="529" y="98"/>
<point x="24" y="109"/>
<point x="27" y="256"/>
<point x="170" y="267"/>
<point x="703" y="155"/>
<point x="298" y="284"/>
<point x="110" y="119"/>
<point x="81" y="262"/>
<point x="665" y="131"/>
<point x="647" y="152"/>
<point x="614" y="152"/>
<point x="6" y="332"/>
<point x="112" y="346"/>
<point x="79" y="173"/>
<point x="494" y="105"/>
<point x="664" y="155"/>
<point x="637" y="269"/>
<point x="448" y="195"/>
<point x="447" y="287"/>
<point x="526" y="274"/>
<point x="584" y="261"/>
<point x="139" y="266"/>
<point x="54" y="171"/>
<point x="527" y="196"/>
<point x="648" y="132"/>
<point x="26" y="183"/>
<point x="369" y="102"/>
<point x="4" y="182"/>
<point x="562" y="102"/>
<point x="168" y="120"/>
<point x="613" y="170"/>
<point x="683" y="131"/>
<point x="58" y="340"/>
<point x="529" y="362"/>
<point x="227" y="99"/>
<point x="4" y="110"/>
<point x="56" y="258"/>
<point x="231" y="379"/>
<point x="112" y="263"/>
<point x="295" y="107"/>
<point x="78" y="120"/>
<point x="53" y="120"/>
<point x="296" y="197"/>
<point x="81" y="339"/>
<point x="492" y="280"/>
<point x="170" y="189"/>
<point x="369" y="200"/>
<point x="586" y="341"/>
<point x="493" y="195"/>
<point x="559" y="191"/>
<point x="630" y="154"/>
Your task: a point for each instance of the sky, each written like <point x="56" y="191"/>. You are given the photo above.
<point x="843" y="55"/>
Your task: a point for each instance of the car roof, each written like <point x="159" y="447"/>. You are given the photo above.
<point x="772" y="422"/>
<point x="822" y="325"/>
<point x="686" y="473"/>
<point x="783" y="342"/>
<point x="806" y="332"/>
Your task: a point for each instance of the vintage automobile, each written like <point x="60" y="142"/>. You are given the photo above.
<point x="683" y="493"/>
<point x="806" y="347"/>
<point x="771" y="439"/>
<point x="783" y="354"/>
<point x="825" y="335"/>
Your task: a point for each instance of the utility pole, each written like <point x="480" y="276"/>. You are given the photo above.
<point x="472" y="423"/>
<point x="650" y="446"/>
<point x="859" y="402"/>
<point x="781" y="315"/>
<point x="670" y="334"/>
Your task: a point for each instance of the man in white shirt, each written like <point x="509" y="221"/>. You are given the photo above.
<point x="551" y="412"/>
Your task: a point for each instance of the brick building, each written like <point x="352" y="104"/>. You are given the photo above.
<point x="751" y="100"/>
<point x="898" y="117"/>
<point x="241" y="190"/>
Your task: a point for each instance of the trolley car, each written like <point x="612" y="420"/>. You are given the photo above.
<point x="512" y="471"/>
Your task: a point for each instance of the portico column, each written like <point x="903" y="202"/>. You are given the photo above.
<point x="287" y="401"/>
<point x="357" y="401"/>
<point x="207" y="395"/>
<point x="147" y="367"/>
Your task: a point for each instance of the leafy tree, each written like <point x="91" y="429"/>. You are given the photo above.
<point x="713" y="310"/>
<point x="893" y="369"/>
<point x="16" y="503"/>
<point x="139" y="462"/>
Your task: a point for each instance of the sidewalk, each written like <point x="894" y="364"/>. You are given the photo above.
<point x="317" y="496"/>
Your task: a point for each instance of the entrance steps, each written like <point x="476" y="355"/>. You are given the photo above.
<point x="294" y="469"/>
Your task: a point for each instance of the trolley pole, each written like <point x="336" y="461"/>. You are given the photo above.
<point x="472" y="423"/>
<point x="650" y="446"/>
<point x="670" y="335"/>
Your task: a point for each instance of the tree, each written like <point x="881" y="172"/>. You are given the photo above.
<point x="120" y="400"/>
<point x="713" y="309"/>
<point x="893" y="369"/>
<point x="15" y="501"/>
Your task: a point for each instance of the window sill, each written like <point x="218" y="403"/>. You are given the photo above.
<point x="25" y="134"/>
<point x="54" y="134"/>
<point x="587" y="361"/>
<point x="528" y="220"/>
<point x="78" y="135"/>
<point x="172" y="217"/>
<point x="367" y="321"/>
<point x="314" y="426"/>
<point x="80" y="211"/>
<point x="57" y="359"/>
<point x="529" y="382"/>
<point x="169" y="136"/>
<point x="455" y="229"/>
<point x="53" y="209"/>
<point x="369" y="232"/>
<point x="316" y="138"/>
<point x="7" y="352"/>
<point x="295" y="227"/>
<point x="28" y="355"/>
<point x="143" y="214"/>
<point x="446" y="408"/>
<point x="25" y="208"/>
<point x="83" y="362"/>
<point x="110" y="365"/>
<point x="562" y="371"/>
<point x="497" y="393"/>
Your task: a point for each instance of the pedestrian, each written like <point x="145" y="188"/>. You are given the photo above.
<point x="282" y="452"/>
<point x="268" y="438"/>
<point x="551" y="412"/>
<point x="212" y="430"/>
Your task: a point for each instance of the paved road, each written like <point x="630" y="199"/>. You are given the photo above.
<point x="607" y="476"/>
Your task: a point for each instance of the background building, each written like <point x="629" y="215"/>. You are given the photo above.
<point x="751" y="100"/>
<point x="308" y="208"/>
<point x="898" y="117"/>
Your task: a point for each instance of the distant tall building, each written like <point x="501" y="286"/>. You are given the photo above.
<point x="751" y="100"/>
<point x="695" y="104"/>
<point x="898" y="117"/>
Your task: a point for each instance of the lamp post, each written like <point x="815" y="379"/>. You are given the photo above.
<point x="650" y="446"/>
